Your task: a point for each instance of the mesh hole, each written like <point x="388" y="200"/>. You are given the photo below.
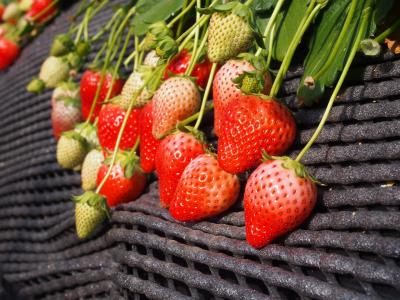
<point x="287" y="294"/>
<point x="314" y="272"/>
<point x="179" y="261"/>
<point x="158" y="254"/>
<point x="182" y="288"/>
<point x="348" y="281"/>
<point x="202" y="268"/>
<point x="228" y="276"/>
<point x="386" y="291"/>
<point x="257" y="285"/>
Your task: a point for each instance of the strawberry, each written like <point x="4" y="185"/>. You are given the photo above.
<point x="151" y="59"/>
<point x="90" y="212"/>
<point x="180" y="63"/>
<point x="148" y="144"/>
<point x="9" y="51"/>
<point x="204" y="190"/>
<point x="110" y="121"/>
<point x="41" y="10"/>
<point x="25" y="5"/>
<point x="279" y="196"/>
<point x="176" y="99"/>
<point x="2" y="8"/>
<point x="126" y="181"/>
<point x="226" y="91"/>
<point x="62" y="45"/>
<point x="71" y="150"/>
<point x="11" y="13"/>
<point x="252" y="125"/>
<point x="90" y="169"/>
<point x="229" y="34"/>
<point x="173" y="155"/>
<point x="89" y="82"/>
<point x="66" y="112"/>
<point x="133" y="85"/>
<point x="53" y="71"/>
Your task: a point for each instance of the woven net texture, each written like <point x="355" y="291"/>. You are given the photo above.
<point x="348" y="249"/>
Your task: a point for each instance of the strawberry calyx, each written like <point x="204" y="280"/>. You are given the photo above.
<point x="36" y="86"/>
<point x="93" y="199"/>
<point x="291" y="164"/>
<point x="69" y="101"/>
<point x="89" y="132"/>
<point x="198" y="134"/>
<point x="72" y="134"/>
<point x="62" y="44"/>
<point x="129" y="162"/>
<point x="156" y="32"/>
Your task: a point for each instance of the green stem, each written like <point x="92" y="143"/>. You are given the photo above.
<point x="343" y="33"/>
<point x="86" y="25"/>
<point x="181" y="20"/>
<point x="205" y="95"/>
<point x="195" y="56"/>
<point x="108" y="25"/>
<point x="380" y="38"/>
<point x="110" y="43"/>
<point x="309" y="16"/>
<point x="181" y="14"/>
<point x="190" y="31"/>
<point x="271" y="22"/>
<point x="363" y="27"/>
<point x="82" y="8"/>
<point x="132" y="152"/>
<point x="270" y="45"/>
<point x="136" y="62"/>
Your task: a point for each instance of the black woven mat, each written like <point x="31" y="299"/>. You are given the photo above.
<point x="349" y="249"/>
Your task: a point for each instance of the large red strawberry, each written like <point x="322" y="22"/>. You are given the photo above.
<point x="252" y="125"/>
<point x="148" y="144"/>
<point x="126" y="181"/>
<point x="279" y="196"/>
<point x="66" y="108"/>
<point x="176" y="99"/>
<point x="204" y="190"/>
<point x="226" y="91"/>
<point x="9" y="51"/>
<point x="173" y="155"/>
<point x="110" y="121"/>
<point x="180" y="63"/>
<point x="40" y="10"/>
<point x="89" y="82"/>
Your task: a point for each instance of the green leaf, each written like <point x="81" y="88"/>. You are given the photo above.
<point x="326" y="32"/>
<point x="151" y="11"/>
<point x="382" y="8"/>
<point x="263" y="5"/>
<point x="287" y="23"/>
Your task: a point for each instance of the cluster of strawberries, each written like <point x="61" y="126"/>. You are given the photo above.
<point x="150" y="113"/>
<point x="20" y="20"/>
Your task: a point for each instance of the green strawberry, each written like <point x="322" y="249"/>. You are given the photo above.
<point x="53" y="71"/>
<point x="25" y="5"/>
<point x="62" y="45"/>
<point x="90" y="212"/>
<point x="71" y="150"/>
<point x="12" y="12"/>
<point x="230" y="31"/>
<point x="90" y="168"/>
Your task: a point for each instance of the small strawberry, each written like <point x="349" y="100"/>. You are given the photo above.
<point x="62" y="44"/>
<point x="11" y="13"/>
<point x="90" y="169"/>
<point x="204" y="190"/>
<point x="151" y="59"/>
<point x="148" y="144"/>
<point x="110" y="121"/>
<point x="226" y="91"/>
<point x="132" y="86"/>
<point x="176" y="99"/>
<point x="126" y="181"/>
<point x="88" y="86"/>
<point x="252" y="125"/>
<point x="41" y="10"/>
<point x="279" y="196"/>
<point x="230" y="32"/>
<point x="9" y="51"/>
<point x="71" y="150"/>
<point x="180" y="63"/>
<point x="66" y="112"/>
<point x="25" y="5"/>
<point x="173" y="155"/>
<point x="90" y="212"/>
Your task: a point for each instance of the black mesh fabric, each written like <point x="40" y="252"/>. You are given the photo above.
<point x="348" y="249"/>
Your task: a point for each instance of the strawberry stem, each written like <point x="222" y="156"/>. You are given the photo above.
<point x="380" y="38"/>
<point x="136" y="62"/>
<point x="271" y="23"/>
<point x="196" y="55"/>
<point x="361" y="32"/>
<point x="343" y="33"/>
<point x="205" y="95"/>
<point x="270" y="45"/>
<point x="180" y="16"/>
<point x="304" y="24"/>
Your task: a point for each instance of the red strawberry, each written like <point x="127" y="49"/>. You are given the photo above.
<point x="41" y="9"/>
<point x="279" y="196"/>
<point x="110" y="121"/>
<point x="9" y="51"/>
<point x="176" y="99"/>
<point x="180" y="63"/>
<point x="226" y="91"/>
<point x="148" y="144"/>
<point x="2" y="8"/>
<point x="88" y="87"/>
<point x="126" y="181"/>
<point x="204" y="190"/>
<point x="173" y="154"/>
<point x="251" y="125"/>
